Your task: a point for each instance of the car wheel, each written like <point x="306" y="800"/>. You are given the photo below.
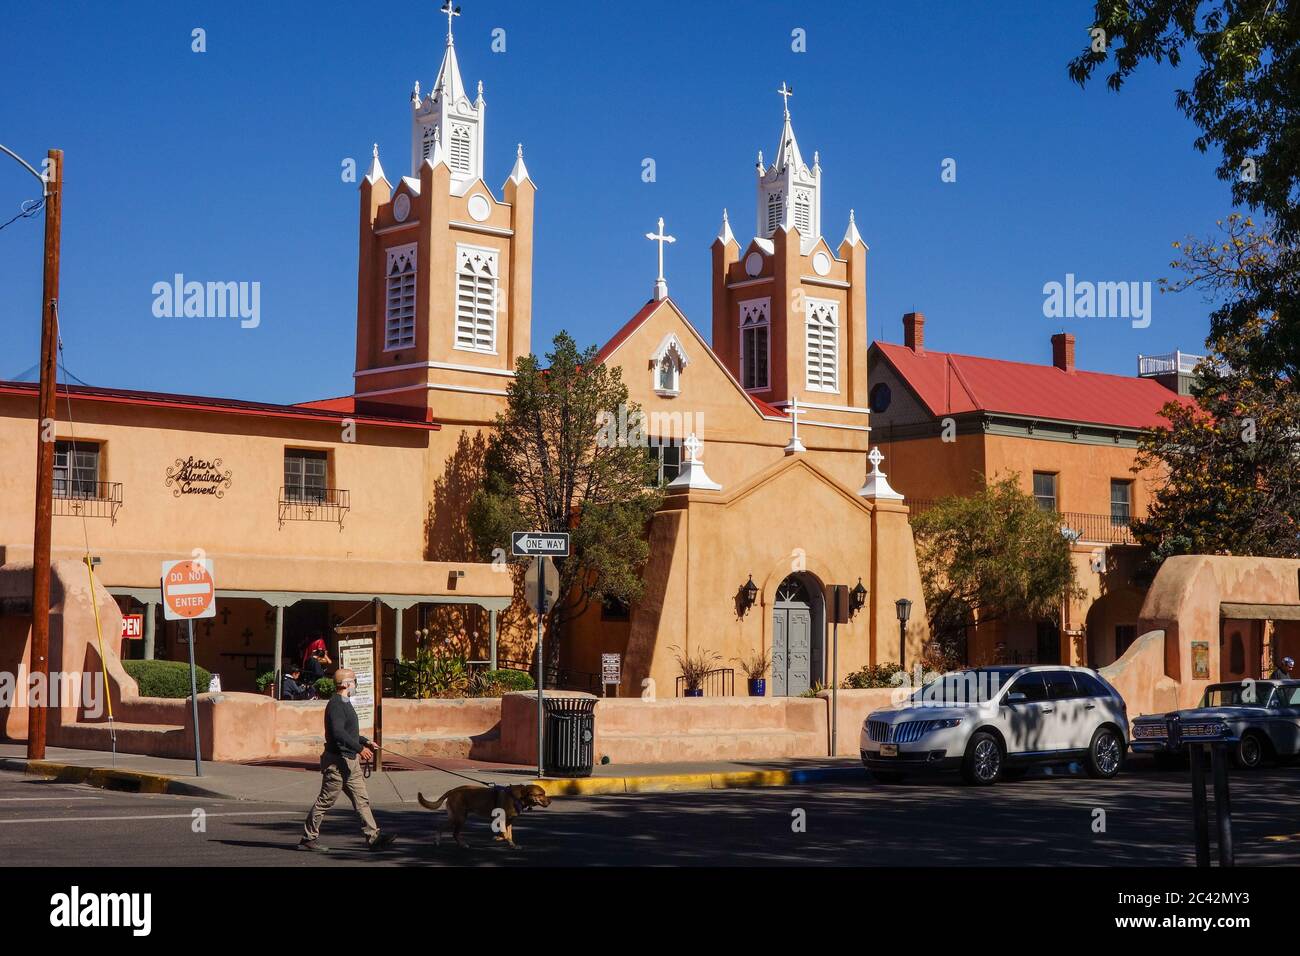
<point x="1105" y="754"/>
<point x="982" y="764"/>
<point x="1249" y="752"/>
<point x="886" y="776"/>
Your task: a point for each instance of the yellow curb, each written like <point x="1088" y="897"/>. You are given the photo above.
<point x="102" y="777"/>
<point x="750" y="778"/>
<point x="666" y="783"/>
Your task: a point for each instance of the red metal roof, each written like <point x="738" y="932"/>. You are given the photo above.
<point x="329" y="410"/>
<point x="950" y="384"/>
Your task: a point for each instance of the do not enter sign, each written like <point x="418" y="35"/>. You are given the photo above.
<point x="188" y="590"/>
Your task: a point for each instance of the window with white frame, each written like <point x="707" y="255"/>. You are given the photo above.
<point x="755" y="343"/>
<point x="427" y="135"/>
<point x="76" y="469"/>
<point x="774" y="211"/>
<point x="476" y="298"/>
<point x="399" y="300"/>
<point x="666" y="364"/>
<point x="459" y="149"/>
<point x="666" y="462"/>
<point x="823" y="345"/>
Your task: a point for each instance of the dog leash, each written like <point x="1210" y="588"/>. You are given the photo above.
<point x="367" y="766"/>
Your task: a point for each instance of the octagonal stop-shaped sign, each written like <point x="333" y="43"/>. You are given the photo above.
<point x="188" y="590"/>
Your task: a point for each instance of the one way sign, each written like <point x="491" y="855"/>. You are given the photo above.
<point x="540" y="544"/>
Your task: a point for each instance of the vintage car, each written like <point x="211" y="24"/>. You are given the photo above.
<point x="1256" y="719"/>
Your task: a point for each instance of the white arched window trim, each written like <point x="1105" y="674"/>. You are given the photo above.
<point x="667" y="363"/>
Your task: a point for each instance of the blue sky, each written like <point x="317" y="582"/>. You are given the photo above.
<point x="225" y="165"/>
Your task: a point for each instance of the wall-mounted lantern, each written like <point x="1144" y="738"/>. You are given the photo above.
<point x="748" y="594"/>
<point x="857" y="598"/>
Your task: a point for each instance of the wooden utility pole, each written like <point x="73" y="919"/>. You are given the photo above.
<point x="45" y="438"/>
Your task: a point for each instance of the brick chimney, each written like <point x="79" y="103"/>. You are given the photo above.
<point x="914" y="331"/>
<point x="1063" y="351"/>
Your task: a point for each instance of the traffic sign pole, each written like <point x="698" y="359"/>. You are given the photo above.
<point x="541" y="664"/>
<point x="189" y="591"/>
<point x="194" y="704"/>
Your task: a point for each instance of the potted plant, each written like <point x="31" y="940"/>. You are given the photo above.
<point x="694" y="668"/>
<point x="755" y="667"/>
<point x="266" y="683"/>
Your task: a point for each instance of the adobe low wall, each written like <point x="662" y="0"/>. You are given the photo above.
<point x="852" y="709"/>
<point x="632" y="730"/>
<point x="1139" y="676"/>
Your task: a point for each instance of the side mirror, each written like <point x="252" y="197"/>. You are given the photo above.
<point x="1015" y="697"/>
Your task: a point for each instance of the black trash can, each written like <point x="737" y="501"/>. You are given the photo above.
<point x="570" y="736"/>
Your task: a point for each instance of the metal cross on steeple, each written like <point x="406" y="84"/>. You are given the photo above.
<point x="661" y="285"/>
<point x="451" y="11"/>
<point x="786" y="92"/>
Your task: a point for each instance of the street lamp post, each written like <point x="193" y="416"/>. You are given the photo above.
<point x="52" y="189"/>
<point x="903" y="608"/>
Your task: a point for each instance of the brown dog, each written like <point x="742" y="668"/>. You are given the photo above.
<point x="486" y="801"/>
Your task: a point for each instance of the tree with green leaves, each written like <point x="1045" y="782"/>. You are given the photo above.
<point x="995" y="555"/>
<point x="553" y="463"/>
<point x="1229" y="462"/>
<point x="1245" y="101"/>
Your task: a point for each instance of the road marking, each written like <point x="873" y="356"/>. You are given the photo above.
<point x="47" y="799"/>
<point x="157" y="816"/>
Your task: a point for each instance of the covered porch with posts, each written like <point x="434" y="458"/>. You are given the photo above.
<point x="267" y="606"/>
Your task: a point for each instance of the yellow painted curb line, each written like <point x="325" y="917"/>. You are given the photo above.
<point x="590" y="786"/>
<point x="104" y="778"/>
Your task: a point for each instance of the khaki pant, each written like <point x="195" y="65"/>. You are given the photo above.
<point x="340" y="774"/>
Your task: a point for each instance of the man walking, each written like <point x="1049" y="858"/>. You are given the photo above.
<point x="341" y="770"/>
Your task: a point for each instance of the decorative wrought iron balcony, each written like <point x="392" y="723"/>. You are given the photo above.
<point x="313" y="504"/>
<point x="1099" y="529"/>
<point x="77" y="497"/>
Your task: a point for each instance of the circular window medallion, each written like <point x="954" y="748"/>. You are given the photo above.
<point x="821" y="264"/>
<point x="753" y="264"/>
<point x="401" y="207"/>
<point x="880" y="398"/>
<point x="479" y="207"/>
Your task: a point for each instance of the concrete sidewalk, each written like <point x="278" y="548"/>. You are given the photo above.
<point x="299" y="783"/>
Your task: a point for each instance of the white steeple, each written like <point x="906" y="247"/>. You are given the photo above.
<point x="789" y="192"/>
<point x="725" y="234"/>
<point x="376" y="171"/>
<point x="447" y="115"/>
<point x="520" y="172"/>
<point x="851" y="235"/>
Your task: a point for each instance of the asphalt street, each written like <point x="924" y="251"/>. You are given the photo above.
<point x="1046" y="821"/>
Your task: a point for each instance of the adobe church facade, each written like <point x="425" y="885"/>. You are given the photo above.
<point x="311" y="511"/>
<point x="768" y="479"/>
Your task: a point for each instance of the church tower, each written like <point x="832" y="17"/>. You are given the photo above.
<point x="444" y="277"/>
<point x="789" y="311"/>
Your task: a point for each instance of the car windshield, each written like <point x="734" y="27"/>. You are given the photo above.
<point x="974" y="686"/>
<point x="1244" y="694"/>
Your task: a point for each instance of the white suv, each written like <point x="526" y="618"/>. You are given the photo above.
<point x="993" y="722"/>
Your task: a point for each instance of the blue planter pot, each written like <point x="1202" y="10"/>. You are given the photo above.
<point x="758" y="687"/>
<point x="694" y="692"/>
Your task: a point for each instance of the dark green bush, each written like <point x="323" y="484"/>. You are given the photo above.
<point x="166" y="678"/>
<point x="871" y="675"/>
<point x="326" y="687"/>
<point x="498" y="682"/>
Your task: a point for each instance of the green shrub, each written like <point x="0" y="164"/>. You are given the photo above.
<point x="499" y="682"/>
<point x="871" y="675"/>
<point x="265" y="680"/>
<point x="326" y="687"/>
<point x="433" y="673"/>
<point x="166" y="678"/>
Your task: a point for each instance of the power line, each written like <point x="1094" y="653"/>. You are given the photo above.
<point x="28" y="209"/>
